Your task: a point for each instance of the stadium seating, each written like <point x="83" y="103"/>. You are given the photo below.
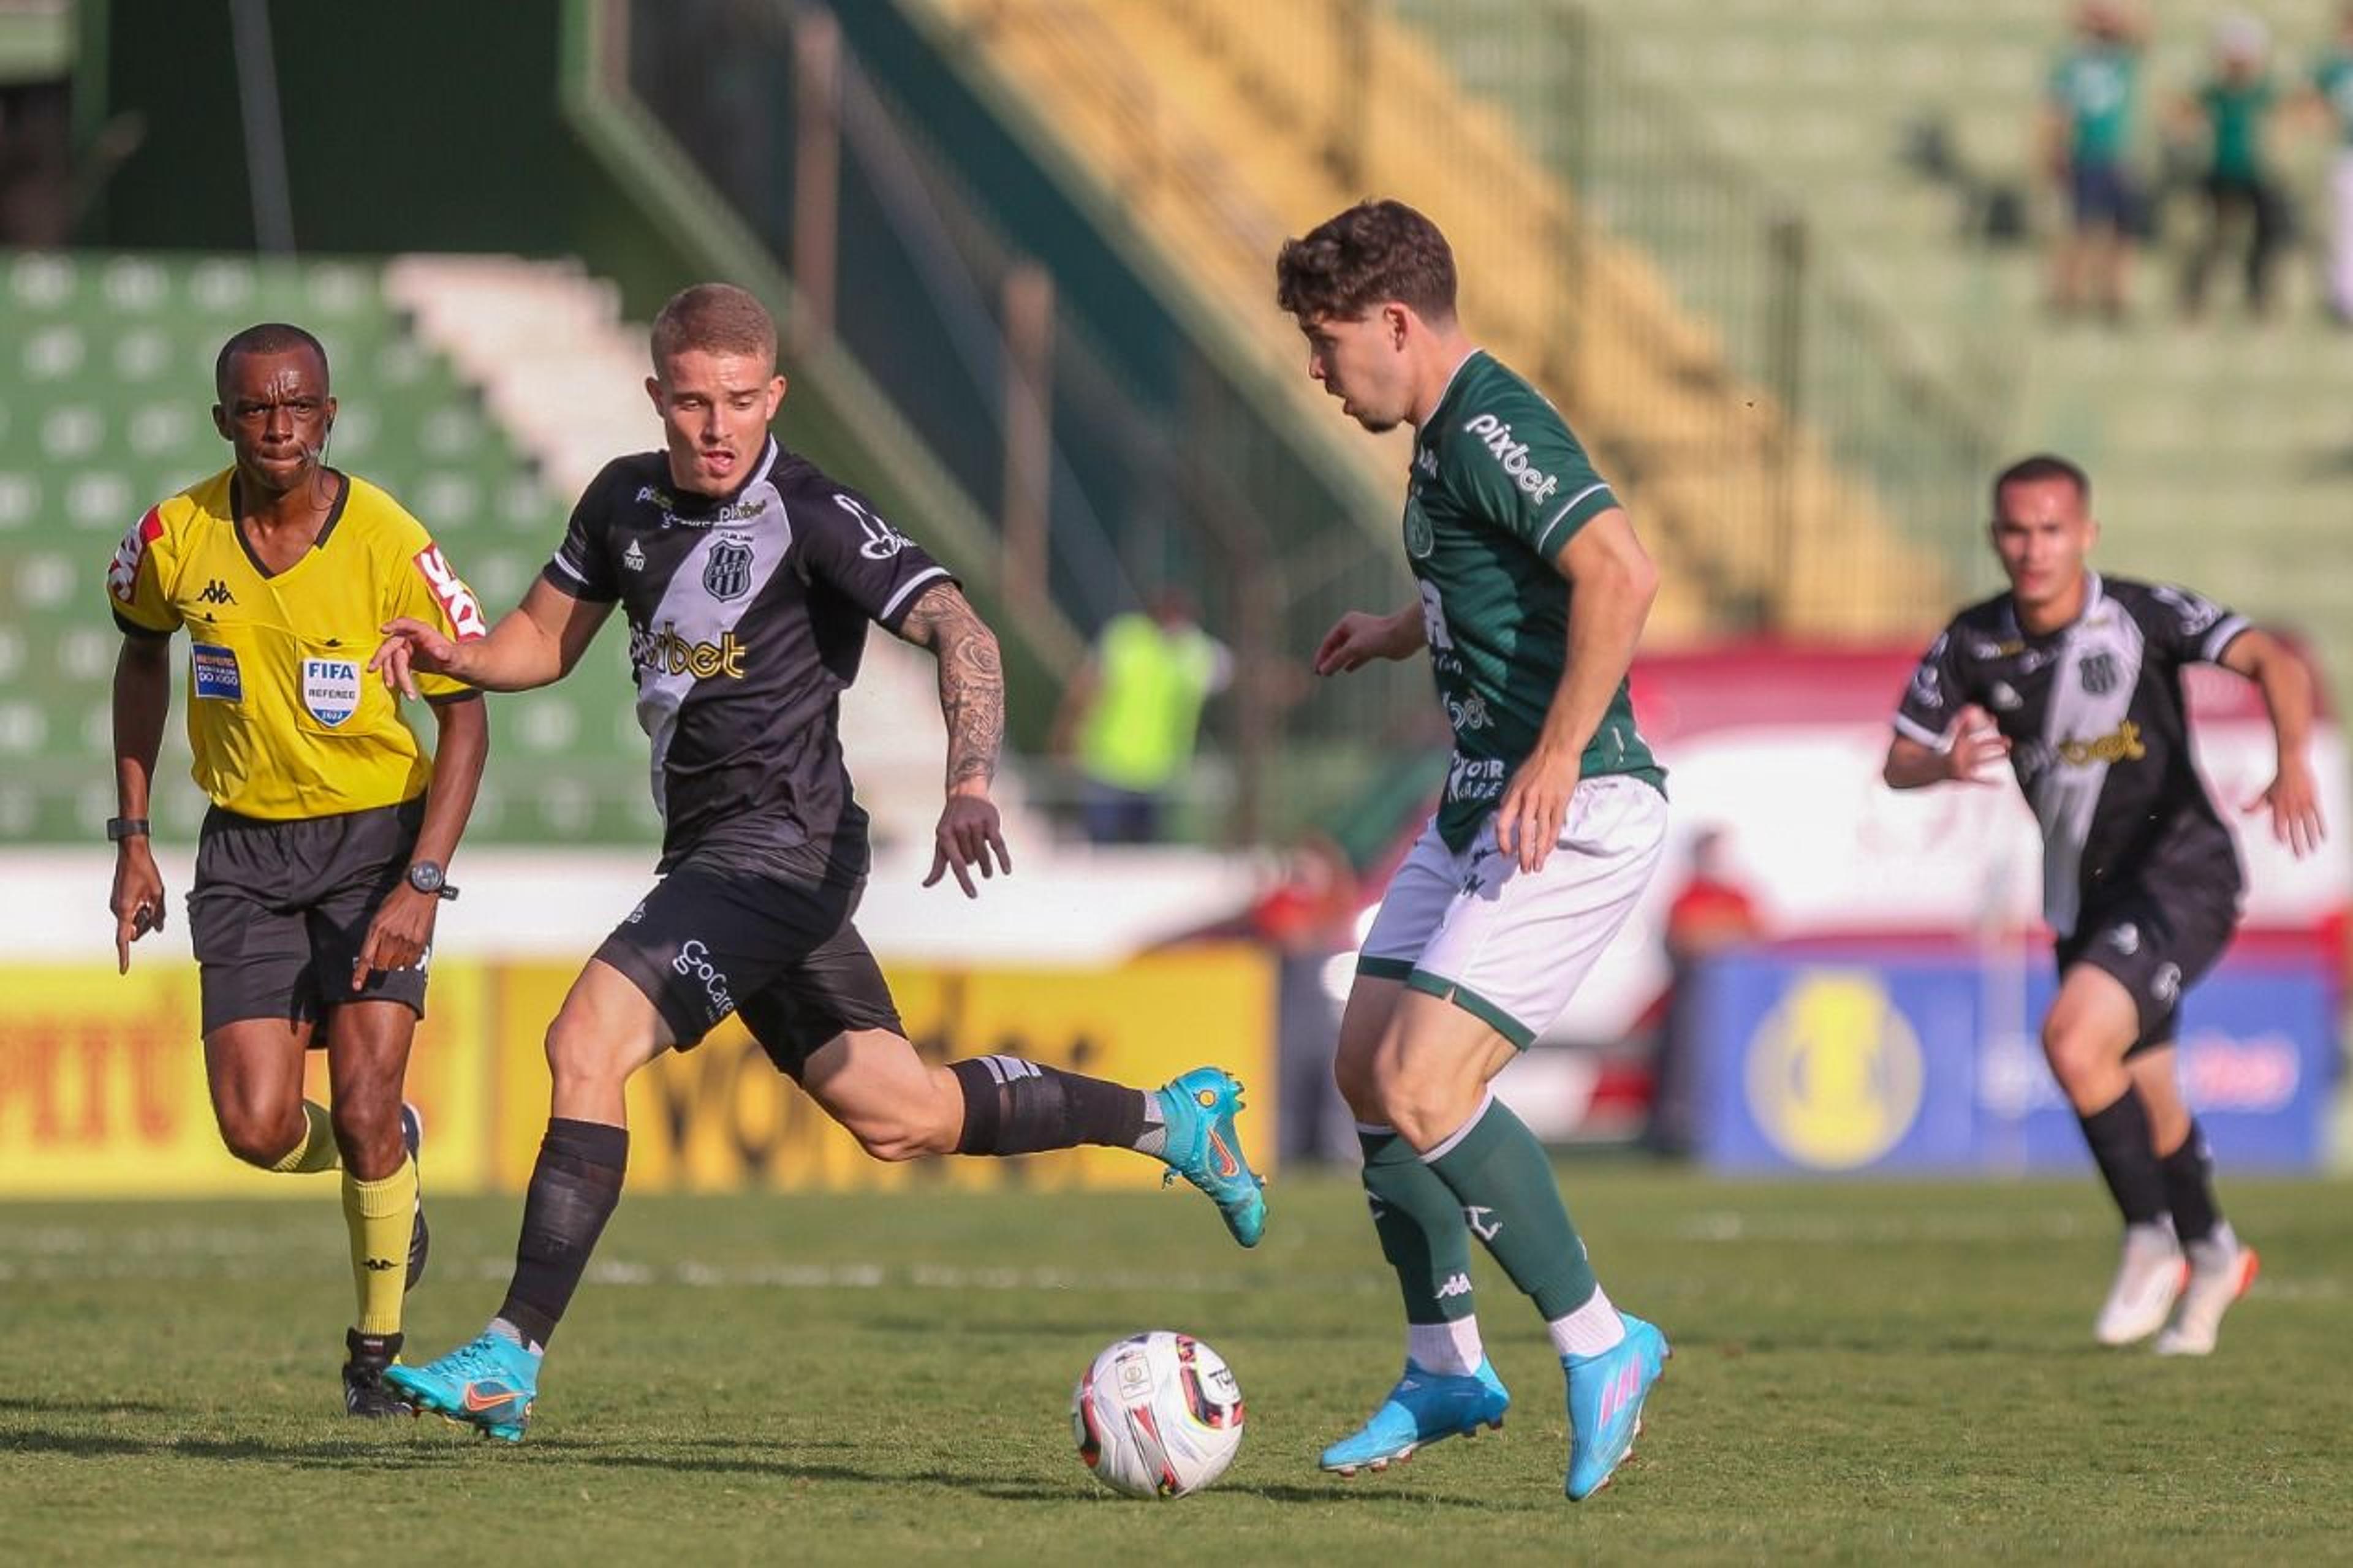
<point x="105" y="390"/>
<point x="1218" y="151"/>
<point x="2222" y="453"/>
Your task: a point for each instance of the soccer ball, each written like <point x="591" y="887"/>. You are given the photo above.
<point x="1157" y="1414"/>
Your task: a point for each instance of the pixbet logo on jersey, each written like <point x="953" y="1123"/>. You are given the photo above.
<point x="666" y="651"/>
<point x="1513" y="456"/>
<point x="458" y="601"/>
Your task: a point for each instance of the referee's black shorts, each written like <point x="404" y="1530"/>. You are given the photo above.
<point x="280" y="910"/>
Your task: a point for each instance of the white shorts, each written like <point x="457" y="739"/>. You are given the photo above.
<point x="1506" y="946"/>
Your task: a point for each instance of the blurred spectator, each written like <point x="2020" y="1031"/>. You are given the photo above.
<point x="2232" y="113"/>
<point x="1132" y="715"/>
<point x="2087" y="135"/>
<point x="1710" y="913"/>
<point x="2332" y="82"/>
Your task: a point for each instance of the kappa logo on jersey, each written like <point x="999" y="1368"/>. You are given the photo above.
<point x="670" y="654"/>
<point x="1511" y="455"/>
<point x="330" y="690"/>
<point x="122" y="572"/>
<point x="727" y="571"/>
<point x="458" y="601"/>
<point x="882" y="541"/>
<point x="217" y="592"/>
<point x="1425" y="462"/>
<point x="2198" y="613"/>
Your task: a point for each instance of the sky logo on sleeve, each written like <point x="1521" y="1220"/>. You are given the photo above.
<point x="213" y="670"/>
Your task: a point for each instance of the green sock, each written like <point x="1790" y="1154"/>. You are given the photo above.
<point x="317" y="1151"/>
<point x="1496" y="1169"/>
<point x="1421" y="1229"/>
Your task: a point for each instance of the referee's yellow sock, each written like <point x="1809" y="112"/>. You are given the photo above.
<point x="317" y="1151"/>
<point x="380" y="1214"/>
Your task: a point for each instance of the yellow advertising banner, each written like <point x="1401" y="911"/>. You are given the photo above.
<point x="102" y="1088"/>
<point x="721" y="1117"/>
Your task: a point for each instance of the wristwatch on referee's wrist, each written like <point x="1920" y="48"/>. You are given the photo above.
<point x="426" y="877"/>
<point x="119" y="828"/>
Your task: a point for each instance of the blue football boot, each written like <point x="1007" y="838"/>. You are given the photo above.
<point x="1605" y="1404"/>
<point x="489" y="1385"/>
<point x="1424" y="1407"/>
<point x="1199" y="1109"/>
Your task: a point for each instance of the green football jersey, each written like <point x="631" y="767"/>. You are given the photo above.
<point x="1499" y="485"/>
<point x="2094" y="86"/>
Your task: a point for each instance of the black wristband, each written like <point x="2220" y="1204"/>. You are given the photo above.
<point x="119" y="828"/>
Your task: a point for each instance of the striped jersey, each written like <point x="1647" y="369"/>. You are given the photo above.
<point x="747" y="617"/>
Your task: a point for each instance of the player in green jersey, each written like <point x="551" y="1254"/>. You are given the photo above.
<point x="1532" y="591"/>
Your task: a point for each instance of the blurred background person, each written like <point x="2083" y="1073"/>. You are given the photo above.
<point x="2089" y="114"/>
<point x="2229" y="114"/>
<point x="1131" y="718"/>
<point x="2332" y="84"/>
<point x="1711" y="912"/>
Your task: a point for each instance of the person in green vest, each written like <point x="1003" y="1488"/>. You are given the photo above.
<point x="1131" y="718"/>
<point x="2090" y="106"/>
<point x="2231" y="112"/>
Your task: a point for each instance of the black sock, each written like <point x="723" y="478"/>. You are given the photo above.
<point x="573" y="1189"/>
<point x="2120" y="1142"/>
<point x="2189" y="1174"/>
<point x="1016" y="1107"/>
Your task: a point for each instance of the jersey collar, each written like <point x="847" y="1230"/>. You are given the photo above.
<point x="1453" y="379"/>
<point x="2093" y="595"/>
<point x="326" y="528"/>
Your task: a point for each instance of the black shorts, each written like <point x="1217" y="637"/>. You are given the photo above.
<point x="2157" y="945"/>
<point x="280" y="910"/>
<point x="713" y="939"/>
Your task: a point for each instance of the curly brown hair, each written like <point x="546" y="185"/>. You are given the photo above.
<point x="1353" y="263"/>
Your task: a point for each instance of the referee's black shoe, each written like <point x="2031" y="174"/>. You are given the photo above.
<point x="420" y="1239"/>
<point x="365" y="1392"/>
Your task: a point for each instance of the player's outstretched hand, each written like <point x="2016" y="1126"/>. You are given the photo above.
<point x="138" y="901"/>
<point x="1534" y="805"/>
<point x="1355" y="641"/>
<point x="398" y="936"/>
<point x="967" y="837"/>
<point x="2294" y="800"/>
<point x="410" y="646"/>
<point x="1973" y="745"/>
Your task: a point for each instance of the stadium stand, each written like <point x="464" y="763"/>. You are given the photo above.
<point x="2221" y="452"/>
<point x="1219" y="148"/>
<point x="105" y="393"/>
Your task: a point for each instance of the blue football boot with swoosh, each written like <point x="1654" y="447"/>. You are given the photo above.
<point x="1424" y="1407"/>
<point x="1198" y="1111"/>
<point x="489" y="1385"/>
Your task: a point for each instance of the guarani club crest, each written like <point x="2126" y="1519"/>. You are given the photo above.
<point x="727" y="571"/>
<point x="1420" y="538"/>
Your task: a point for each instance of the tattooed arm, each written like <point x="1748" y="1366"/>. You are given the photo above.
<point x="972" y="702"/>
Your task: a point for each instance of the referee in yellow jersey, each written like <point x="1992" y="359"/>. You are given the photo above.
<point x="320" y="865"/>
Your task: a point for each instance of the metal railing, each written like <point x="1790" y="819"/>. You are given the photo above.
<point x="1105" y="490"/>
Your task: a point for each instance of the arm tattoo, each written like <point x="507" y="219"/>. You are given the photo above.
<point x="972" y="680"/>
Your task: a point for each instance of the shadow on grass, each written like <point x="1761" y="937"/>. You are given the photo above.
<point x="348" y="1453"/>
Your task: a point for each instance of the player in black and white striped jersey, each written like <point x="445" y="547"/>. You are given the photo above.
<point x="2076" y="680"/>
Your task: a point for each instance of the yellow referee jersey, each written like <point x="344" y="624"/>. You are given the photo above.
<point x="282" y="715"/>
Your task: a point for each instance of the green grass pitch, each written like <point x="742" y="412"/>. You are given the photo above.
<point x="1863" y="1373"/>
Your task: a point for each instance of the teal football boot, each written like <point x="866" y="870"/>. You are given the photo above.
<point x="1605" y="1404"/>
<point x="1199" y="1109"/>
<point x="1421" y="1409"/>
<point x="489" y="1385"/>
